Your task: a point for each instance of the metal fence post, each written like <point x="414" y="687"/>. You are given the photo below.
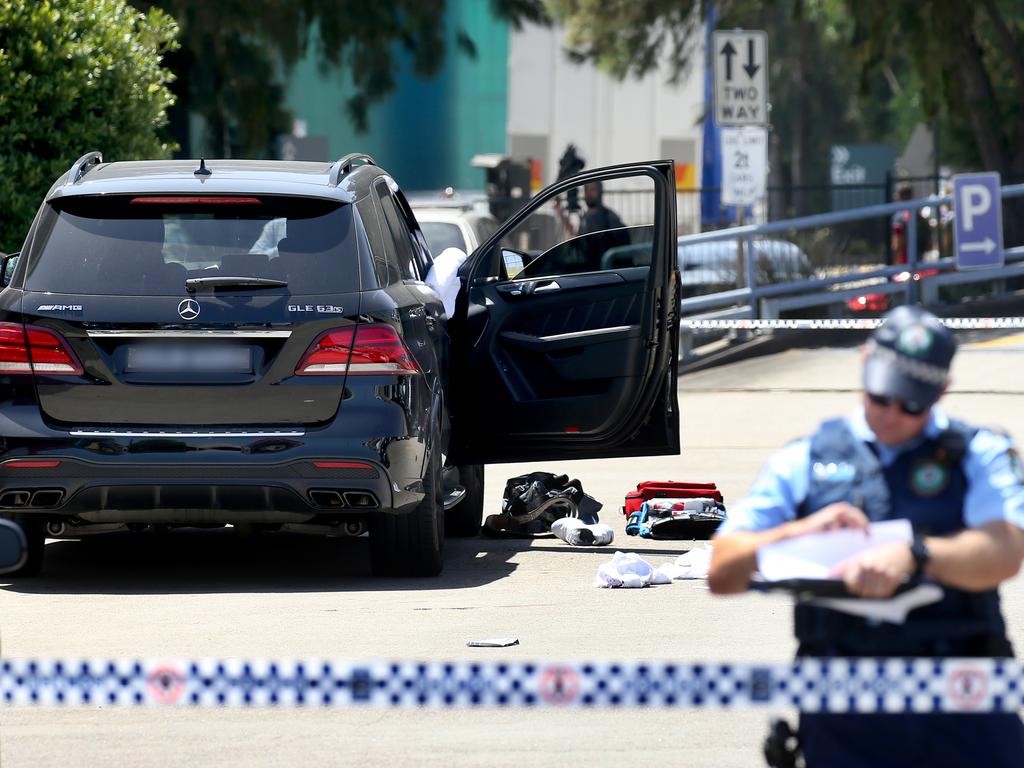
<point x="913" y="289"/>
<point x="750" y="266"/>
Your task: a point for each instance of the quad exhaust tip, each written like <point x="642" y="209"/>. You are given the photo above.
<point x="49" y="497"/>
<point x="347" y="499"/>
<point x="15" y="498"/>
<point x="360" y="500"/>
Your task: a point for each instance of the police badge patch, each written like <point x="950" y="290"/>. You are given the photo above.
<point x="914" y="340"/>
<point x="929" y="478"/>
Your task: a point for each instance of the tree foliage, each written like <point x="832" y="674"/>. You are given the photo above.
<point x="627" y="37"/>
<point x="75" y="75"/>
<point x="842" y="70"/>
<point x="966" y="57"/>
<point x="235" y="55"/>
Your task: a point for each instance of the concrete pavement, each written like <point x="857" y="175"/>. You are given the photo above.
<point x="213" y="593"/>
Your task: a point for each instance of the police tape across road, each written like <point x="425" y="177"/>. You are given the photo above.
<point x="811" y="685"/>
<point x="844" y="324"/>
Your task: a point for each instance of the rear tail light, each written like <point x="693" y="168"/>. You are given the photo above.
<point x="31" y="349"/>
<point x="370" y="348"/>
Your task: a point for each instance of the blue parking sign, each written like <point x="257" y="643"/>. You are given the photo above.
<point x="978" y="220"/>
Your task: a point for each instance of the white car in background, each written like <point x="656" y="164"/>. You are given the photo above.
<point x="453" y="220"/>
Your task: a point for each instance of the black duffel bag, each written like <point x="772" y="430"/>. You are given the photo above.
<point x="532" y="502"/>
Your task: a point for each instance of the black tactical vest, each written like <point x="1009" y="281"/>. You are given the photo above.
<point x="927" y="486"/>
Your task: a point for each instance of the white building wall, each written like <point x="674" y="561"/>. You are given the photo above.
<point x="554" y="102"/>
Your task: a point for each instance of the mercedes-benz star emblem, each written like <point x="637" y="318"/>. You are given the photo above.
<point x="188" y="309"/>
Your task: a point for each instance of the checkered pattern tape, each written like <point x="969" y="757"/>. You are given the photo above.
<point x="845" y="324"/>
<point x="812" y="685"/>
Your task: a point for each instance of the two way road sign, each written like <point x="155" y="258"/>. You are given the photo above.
<point x="978" y="220"/>
<point x="741" y="77"/>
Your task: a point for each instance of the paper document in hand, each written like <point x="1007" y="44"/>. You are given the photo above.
<point x="815" y="555"/>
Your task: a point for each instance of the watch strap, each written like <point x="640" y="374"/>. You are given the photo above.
<point x="919" y="551"/>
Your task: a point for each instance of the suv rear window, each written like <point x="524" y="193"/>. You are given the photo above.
<point x="150" y="244"/>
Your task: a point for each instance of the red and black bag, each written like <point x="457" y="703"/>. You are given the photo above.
<point x="668" y="489"/>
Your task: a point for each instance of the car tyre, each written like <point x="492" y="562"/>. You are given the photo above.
<point x="35" y="537"/>
<point x="411" y="544"/>
<point x="464" y="518"/>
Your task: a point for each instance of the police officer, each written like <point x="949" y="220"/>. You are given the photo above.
<point x="961" y="487"/>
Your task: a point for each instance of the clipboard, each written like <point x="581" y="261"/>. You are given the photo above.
<point x="807" y="589"/>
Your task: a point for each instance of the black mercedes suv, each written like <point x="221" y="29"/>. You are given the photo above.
<point x="255" y="343"/>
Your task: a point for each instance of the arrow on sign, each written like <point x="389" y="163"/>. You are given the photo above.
<point x="728" y="51"/>
<point x="750" y="67"/>
<point x="985" y="246"/>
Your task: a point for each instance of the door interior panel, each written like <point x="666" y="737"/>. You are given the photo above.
<point x="571" y="357"/>
<point x="579" y="342"/>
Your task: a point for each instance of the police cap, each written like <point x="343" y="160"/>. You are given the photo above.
<point x="909" y="356"/>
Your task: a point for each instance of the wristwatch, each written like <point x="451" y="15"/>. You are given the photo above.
<point x="919" y="551"/>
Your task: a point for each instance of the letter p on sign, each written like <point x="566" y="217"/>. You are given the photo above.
<point x="977" y="220"/>
<point x="974" y="200"/>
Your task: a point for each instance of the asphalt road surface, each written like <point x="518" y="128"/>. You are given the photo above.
<point x="221" y="594"/>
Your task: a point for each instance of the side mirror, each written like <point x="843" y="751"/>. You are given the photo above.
<point x="8" y="262"/>
<point x="13" y="546"/>
<point x="514" y="262"/>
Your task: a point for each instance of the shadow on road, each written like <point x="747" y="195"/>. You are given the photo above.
<point x="222" y="561"/>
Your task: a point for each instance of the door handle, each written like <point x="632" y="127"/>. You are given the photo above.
<point x="547" y="287"/>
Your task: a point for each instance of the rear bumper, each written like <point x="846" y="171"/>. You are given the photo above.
<point x="232" y="478"/>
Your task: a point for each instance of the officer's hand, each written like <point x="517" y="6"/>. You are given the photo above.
<point x="831" y="518"/>
<point x="878" y="572"/>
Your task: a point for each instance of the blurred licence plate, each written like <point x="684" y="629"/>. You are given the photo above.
<point x="188" y="358"/>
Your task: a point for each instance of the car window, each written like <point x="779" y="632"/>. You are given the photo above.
<point x="484" y="229"/>
<point x="441" y="235"/>
<point x="593" y="227"/>
<point x="371" y="216"/>
<point x="149" y="245"/>
<point x="713" y="265"/>
<point x="400" y="235"/>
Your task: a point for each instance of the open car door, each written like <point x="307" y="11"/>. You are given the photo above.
<point x="565" y="336"/>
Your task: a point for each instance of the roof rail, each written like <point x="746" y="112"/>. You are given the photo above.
<point x="344" y="166"/>
<point x="82" y="165"/>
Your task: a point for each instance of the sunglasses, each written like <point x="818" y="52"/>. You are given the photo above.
<point x="884" y="401"/>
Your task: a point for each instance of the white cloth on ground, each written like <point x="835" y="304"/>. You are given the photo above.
<point x="575" y="532"/>
<point x="689" y="565"/>
<point x="625" y="569"/>
<point x="443" y="277"/>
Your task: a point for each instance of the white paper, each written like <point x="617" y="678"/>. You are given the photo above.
<point x="815" y="555"/>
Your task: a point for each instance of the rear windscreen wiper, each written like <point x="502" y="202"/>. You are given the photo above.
<point x="226" y="281"/>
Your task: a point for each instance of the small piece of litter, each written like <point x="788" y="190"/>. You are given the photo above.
<point x="494" y="642"/>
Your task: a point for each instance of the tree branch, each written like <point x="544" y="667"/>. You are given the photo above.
<point x="969" y="73"/>
<point x="1011" y="50"/>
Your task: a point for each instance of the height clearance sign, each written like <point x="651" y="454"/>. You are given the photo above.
<point x="741" y="77"/>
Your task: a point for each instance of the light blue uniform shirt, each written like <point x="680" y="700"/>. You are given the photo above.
<point x="994" y="488"/>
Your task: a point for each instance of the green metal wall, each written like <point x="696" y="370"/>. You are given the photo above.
<point x="426" y="131"/>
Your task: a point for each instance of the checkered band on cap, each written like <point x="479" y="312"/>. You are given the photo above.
<point x="925" y="372"/>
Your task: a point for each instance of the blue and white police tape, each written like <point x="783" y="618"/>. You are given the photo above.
<point x="843" y="324"/>
<point x="812" y="685"/>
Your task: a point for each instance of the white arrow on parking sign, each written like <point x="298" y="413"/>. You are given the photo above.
<point x="985" y="246"/>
